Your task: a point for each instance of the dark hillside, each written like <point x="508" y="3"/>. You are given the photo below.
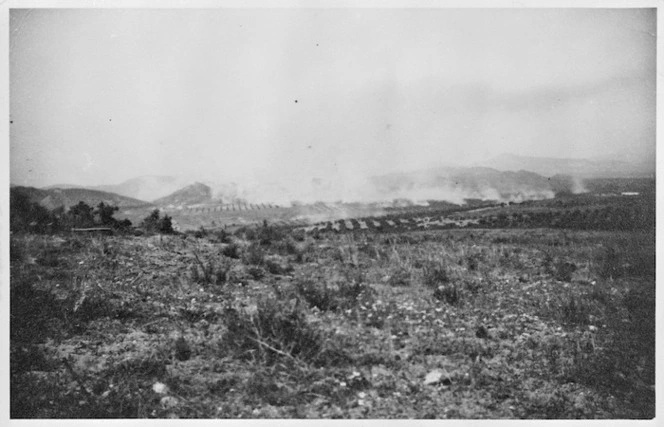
<point x="68" y="197"/>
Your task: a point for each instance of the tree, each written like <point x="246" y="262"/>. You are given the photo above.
<point x="155" y="224"/>
<point x="81" y="215"/>
<point x="105" y="214"/>
<point x="166" y="225"/>
<point x="149" y="223"/>
<point x="125" y="224"/>
<point x="26" y="215"/>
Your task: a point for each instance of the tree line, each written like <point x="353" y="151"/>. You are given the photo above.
<point x="609" y="218"/>
<point x="27" y="215"/>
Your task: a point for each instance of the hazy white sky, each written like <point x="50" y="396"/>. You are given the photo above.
<point x="100" y="96"/>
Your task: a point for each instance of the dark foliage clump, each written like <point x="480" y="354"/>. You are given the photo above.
<point x="28" y="216"/>
<point x="223" y="236"/>
<point x="435" y="275"/>
<point x="154" y="223"/>
<point x="318" y="295"/>
<point x="232" y="250"/>
<point x="563" y="271"/>
<point x="450" y="294"/>
<point x="278" y="268"/>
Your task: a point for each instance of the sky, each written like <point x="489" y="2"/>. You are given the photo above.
<point x="99" y="96"/>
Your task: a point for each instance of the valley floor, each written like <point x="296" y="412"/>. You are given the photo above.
<point x="466" y="323"/>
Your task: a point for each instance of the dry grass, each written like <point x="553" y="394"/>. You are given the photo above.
<point x="341" y="327"/>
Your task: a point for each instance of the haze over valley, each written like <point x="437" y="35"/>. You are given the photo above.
<point x="458" y="104"/>
<point x="210" y="204"/>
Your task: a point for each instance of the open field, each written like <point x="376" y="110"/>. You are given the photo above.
<point x="603" y="207"/>
<point x="273" y="322"/>
<point x="230" y="216"/>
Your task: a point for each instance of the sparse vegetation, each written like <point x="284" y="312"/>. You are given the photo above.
<point x="232" y="250"/>
<point x="435" y="274"/>
<point x="449" y="293"/>
<point x="261" y="323"/>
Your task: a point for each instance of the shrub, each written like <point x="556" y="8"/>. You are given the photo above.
<point x="547" y="263"/>
<point x="211" y="272"/>
<point x="563" y="271"/>
<point x="124" y="225"/>
<point x="372" y="251"/>
<point x="450" y="294"/>
<point x="317" y="294"/>
<point x="435" y="274"/>
<point x="232" y="250"/>
<point x="287" y="246"/>
<point x="299" y="235"/>
<point x="277" y="330"/>
<point x="249" y="233"/>
<point x="332" y="296"/>
<point x="400" y="277"/>
<point x="473" y="285"/>
<point x="256" y="272"/>
<point x="223" y="236"/>
<point x="275" y="267"/>
<point x="240" y="232"/>
<point x="354" y="284"/>
<point x="473" y="261"/>
<point x="254" y="255"/>
<point x="575" y="311"/>
<point x="268" y="234"/>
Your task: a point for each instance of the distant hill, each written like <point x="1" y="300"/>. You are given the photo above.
<point x="190" y="195"/>
<point x="582" y="168"/>
<point x="63" y="186"/>
<point x="459" y="184"/>
<point x="146" y="187"/>
<point x="53" y="198"/>
<point x="149" y="187"/>
<point x="515" y="178"/>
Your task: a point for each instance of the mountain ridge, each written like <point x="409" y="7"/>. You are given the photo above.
<point x="57" y="197"/>
<point x="598" y="167"/>
<point x="504" y="177"/>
